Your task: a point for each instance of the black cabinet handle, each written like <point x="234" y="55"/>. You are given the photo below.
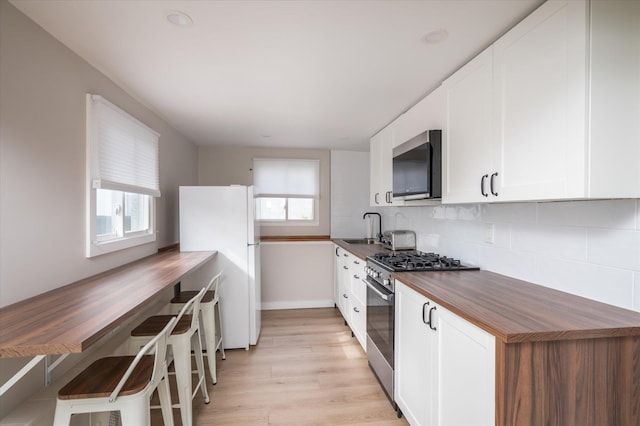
<point x="337" y="252"/>
<point x="356" y="277"/>
<point x="375" y="198"/>
<point x="357" y="311"/>
<point x="482" y="191"/>
<point x="345" y="296"/>
<point x="345" y="267"/>
<point x="356" y="262"/>
<point x="431" y="326"/>
<point x="424" y="318"/>
<point x="491" y="183"/>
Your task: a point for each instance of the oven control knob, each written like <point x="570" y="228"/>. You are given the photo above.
<point x="376" y="274"/>
<point x="366" y="270"/>
<point x="386" y="282"/>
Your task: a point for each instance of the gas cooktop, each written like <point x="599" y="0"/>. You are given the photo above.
<point x="418" y="261"/>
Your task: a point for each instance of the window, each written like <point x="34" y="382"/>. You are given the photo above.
<point x="122" y="179"/>
<point x="287" y="190"/>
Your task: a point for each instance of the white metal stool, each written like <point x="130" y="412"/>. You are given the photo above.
<point x="211" y="318"/>
<point x="185" y="334"/>
<point x="123" y="384"/>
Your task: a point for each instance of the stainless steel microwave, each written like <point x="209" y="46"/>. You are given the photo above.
<point x="417" y="167"/>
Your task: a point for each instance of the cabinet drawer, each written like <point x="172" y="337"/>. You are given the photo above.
<point x="358" y="321"/>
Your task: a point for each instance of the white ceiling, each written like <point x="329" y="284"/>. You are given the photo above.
<point x="308" y="74"/>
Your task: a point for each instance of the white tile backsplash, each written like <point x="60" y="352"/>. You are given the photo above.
<point x="588" y="248"/>
<point x="610" y="247"/>
<point x="608" y="285"/>
<point x="611" y="214"/>
<point x="555" y="241"/>
<point x="636" y="291"/>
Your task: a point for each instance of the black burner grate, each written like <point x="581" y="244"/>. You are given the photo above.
<point x="418" y="261"/>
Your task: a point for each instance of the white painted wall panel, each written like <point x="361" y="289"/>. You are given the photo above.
<point x="349" y="193"/>
<point x="297" y="275"/>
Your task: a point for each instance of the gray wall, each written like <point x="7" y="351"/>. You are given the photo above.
<point x="42" y="168"/>
<point x="231" y="166"/>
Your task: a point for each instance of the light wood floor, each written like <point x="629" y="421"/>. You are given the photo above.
<point x="305" y="370"/>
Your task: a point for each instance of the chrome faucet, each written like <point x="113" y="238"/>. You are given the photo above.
<point x="379" y="234"/>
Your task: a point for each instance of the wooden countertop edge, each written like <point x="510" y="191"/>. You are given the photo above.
<point x="293" y="238"/>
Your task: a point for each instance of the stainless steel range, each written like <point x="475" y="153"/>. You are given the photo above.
<point x="381" y="305"/>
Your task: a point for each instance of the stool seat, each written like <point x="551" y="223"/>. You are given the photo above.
<point x="122" y="384"/>
<point x="100" y="379"/>
<point x="185" y="296"/>
<point x="152" y="325"/>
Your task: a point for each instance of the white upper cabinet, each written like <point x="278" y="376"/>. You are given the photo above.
<point x="466" y="154"/>
<point x="381" y="172"/>
<point x="428" y="114"/>
<point x="614" y="87"/>
<point x="539" y="74"/>
<point x="551" y="110"/>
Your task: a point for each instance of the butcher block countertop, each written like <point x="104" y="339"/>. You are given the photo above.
<point x="514" y="310"/>
<point x="69" y="319"/>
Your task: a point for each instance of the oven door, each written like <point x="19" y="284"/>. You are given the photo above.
<point x="380" y="322"/>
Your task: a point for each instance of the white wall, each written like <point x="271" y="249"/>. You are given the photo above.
<point x="42" y="170"/>
<point x="588" y="248"/>
<point x="297" y="275"/>
<point x="349" y="193"/>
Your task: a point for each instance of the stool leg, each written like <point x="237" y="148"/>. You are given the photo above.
<point x="62" y="416"/>
<point x="165" y="400"/>
<point x="209" y="325"/>
<point x="182" y="362"/>
<point x="137" y="413"/>
<point x="202" y="381"/>
<point x="220" y="342"/>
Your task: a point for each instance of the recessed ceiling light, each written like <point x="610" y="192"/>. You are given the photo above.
<point x="179" y="19"/>
<point x="436" y="36"/>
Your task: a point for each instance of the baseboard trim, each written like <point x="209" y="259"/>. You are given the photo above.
<point x="297" y="304"/>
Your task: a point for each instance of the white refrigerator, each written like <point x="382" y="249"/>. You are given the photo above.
<point x="222" y="218"/>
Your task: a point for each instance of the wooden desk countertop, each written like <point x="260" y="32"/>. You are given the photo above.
<point x="71" y="318"/>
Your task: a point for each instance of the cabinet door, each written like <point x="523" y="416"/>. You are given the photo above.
<point x="428" y="114"/>
<point x="539" y="72"/>
<point x="375" y="164"/>
<point x="414" y="376"/>
<point x="344" y="281"/>
<point x="466" y="372"/>
<point x="357" y="300"/>
<point x="381" y="171"/>
<point x="466" y="156"/>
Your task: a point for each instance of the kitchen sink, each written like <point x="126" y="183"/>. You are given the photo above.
<point x="361" y="241"/>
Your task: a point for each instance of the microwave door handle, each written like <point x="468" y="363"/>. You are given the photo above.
<point x="387" y="297"/>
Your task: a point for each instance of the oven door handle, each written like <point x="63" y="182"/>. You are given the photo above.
<point x="387" y="297"/>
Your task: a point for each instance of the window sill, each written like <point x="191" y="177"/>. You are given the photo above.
<point x="95" y="248"/>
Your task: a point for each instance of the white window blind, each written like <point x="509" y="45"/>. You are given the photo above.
<point x="292" y="178"/>
<point x="123" y="152"/>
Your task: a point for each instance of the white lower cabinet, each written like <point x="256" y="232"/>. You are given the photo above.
<point x="358" y="302"/>
<point x="343" y="281"/>
<point x="444" y="365"/>
<point x="350" y="293"/>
